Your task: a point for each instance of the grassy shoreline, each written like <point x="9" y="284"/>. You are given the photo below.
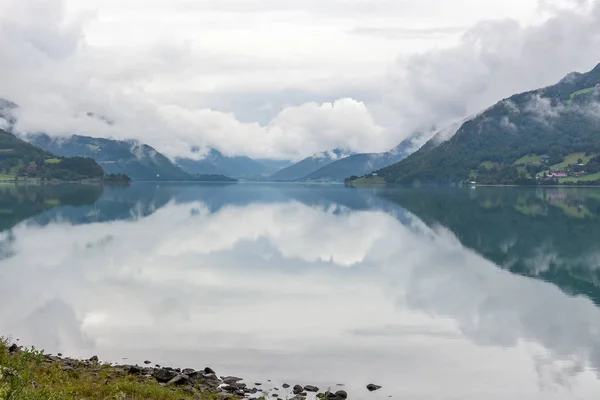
<point x="29" y="374"/>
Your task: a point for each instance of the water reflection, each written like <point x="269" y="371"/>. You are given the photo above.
<point x="318" y="285"/>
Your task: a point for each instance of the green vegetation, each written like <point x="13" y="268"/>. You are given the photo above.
<point x="574" y="159"/>
<point x="21" y="161"/>
<point x="513" y="133"/>
<point x="368" y="181"/>
<point x="529" y="159"/>
<point x="117" y="178"/>
<point x="586" y="178"/>
<point x="27" y="374"/>
<point x="578" y="93"/>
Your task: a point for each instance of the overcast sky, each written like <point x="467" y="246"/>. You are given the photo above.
<point x="280" y="78"/>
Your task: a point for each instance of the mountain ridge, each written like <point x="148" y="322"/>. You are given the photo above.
<point x="309" y="165"/>
<point x="553" y="122"/>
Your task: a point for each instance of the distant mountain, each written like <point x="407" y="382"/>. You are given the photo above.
<point x="216" y="162"/>
<point x="19" y="159"/>
<point x="519" y="140"/>
<point x="274" y="165"/>
<point x="361" y="164"/>
<point x="309" y="165"/>
<point x="138" y="160"/>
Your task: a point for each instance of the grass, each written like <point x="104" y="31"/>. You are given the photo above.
<point x="28" y="375"/>
<point x="577" y="93"/>
<point x="53" y="161"/>
<point x="584" y="178"/>
<point x="529" y="159"/>
<point x="571" y="159"/>
<point x="489" y="164"/>
<point x="369" y="181"/>
<point x="7" y="177"/>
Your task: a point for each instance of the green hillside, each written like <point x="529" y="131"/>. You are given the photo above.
<point x="137" y="160"/>
<point x="21" y="160"/>
<point x="506" y="143"/>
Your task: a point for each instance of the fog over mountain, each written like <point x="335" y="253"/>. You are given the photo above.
<point x="202" y="74"/>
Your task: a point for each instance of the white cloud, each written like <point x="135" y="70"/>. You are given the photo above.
<point x="492" y="61"/>
<point x="181" y="73"/>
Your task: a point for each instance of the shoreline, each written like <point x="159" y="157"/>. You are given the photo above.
<point x="36" y="375"/>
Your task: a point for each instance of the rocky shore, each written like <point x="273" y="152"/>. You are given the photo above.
<point x="188" y="383"/>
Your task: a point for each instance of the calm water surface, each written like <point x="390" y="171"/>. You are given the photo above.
<point x="487" y="293"/>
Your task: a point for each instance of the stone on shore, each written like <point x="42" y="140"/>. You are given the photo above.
<point x="311" y="388"/>
<point x="231" y="379"/>
<point x="371" y="387"/>
<point x="164" y="375"/>
<point x="297" y="389"/>
<point x="285" y="386"/>
<point x="179" y="380"/>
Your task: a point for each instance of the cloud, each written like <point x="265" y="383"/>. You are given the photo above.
<point x="492" y="61"/>
<point x="199" y="73"/>
<point x="406" y="33"/>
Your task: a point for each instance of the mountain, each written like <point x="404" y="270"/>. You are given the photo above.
<point x="523" y="139"/>
<point x="139" y="161"/>
<point x="309" y="165"/>
<point x="21" y="159"/>
<point x="215" y="162"/>
<point x="274" y="165"/>
<point x="361" y="164"/>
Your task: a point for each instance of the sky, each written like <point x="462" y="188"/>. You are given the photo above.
<point x="280" y="79"/>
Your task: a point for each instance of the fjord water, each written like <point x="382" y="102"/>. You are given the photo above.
<point x="432" y="293"/>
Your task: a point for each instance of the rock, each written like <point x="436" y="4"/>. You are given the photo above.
<point x="208" y="370"/>
<point x="135" y="370"/>
<point x="304" y="394"/>
<point x="258" y="384"/>
<point x="164" y="375"/>
<point x="297" y="389"/>
<point x="371" y="387"/>
<point x="188" y="371"/>
<point x="229" y="388"/>
<point x="179" y="380"/>
<point x="311" y="388"/>
<point x="298" y="397"/>
<point x="59" y="354"/>
<point x="94" y="359"/>
<point x="210" y="377"/>
<point x="231" y="379"/>
<point x="13" y="349"/>
<point x="285" y="386"/>
<point x="147" y="362"/>
<point x="157" y="365"/>
<point x="341" y="394"/>
<point x="274" y="395"/>
<point x="68" y="368"/>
